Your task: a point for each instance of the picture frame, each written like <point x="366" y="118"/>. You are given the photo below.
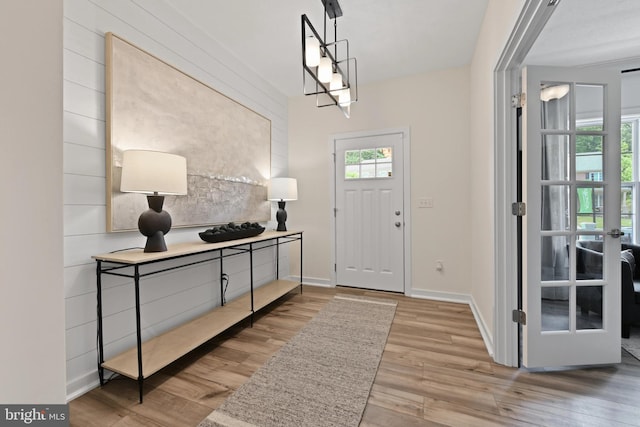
<point x="152" y="105"/>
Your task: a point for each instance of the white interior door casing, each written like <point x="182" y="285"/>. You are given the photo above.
<point x="555" y="220"/>
<point x="370" y="225"/>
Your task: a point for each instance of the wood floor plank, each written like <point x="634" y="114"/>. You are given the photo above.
<point x="435" y="371"/>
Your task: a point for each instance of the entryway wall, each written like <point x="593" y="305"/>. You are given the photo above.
<point x="435" y="107"/>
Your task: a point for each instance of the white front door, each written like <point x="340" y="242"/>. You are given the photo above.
<point x="571" y="274"/>
<point x="369" y="211"/>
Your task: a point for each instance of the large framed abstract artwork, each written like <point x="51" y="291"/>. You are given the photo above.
<point x="154" y="106"/>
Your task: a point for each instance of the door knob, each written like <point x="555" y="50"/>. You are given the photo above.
<point x="397" y="213"/>
<point x="616" y="233"/>
<point x="398" y="224"/>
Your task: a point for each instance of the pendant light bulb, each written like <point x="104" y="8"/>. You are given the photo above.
<point x="325" y="70"/>
<point x="336" y="83"/>
<point x="312" y="52"/>
<point x="344" y="99"/>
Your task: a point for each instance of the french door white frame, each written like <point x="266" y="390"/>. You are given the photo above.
<point x="534" y="16"/>
<point x="406" y="197"/>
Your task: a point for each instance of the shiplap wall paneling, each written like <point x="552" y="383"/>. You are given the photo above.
<point x="179" y="295"/>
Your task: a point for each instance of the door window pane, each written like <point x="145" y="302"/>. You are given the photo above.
<point x="590" y="103"/>
<point x="555" y="158"/>
<point x="555" y="308"/>
<point x="589" y="307"/>
<point x="352" y="157"/>
<point x="589" y="256"/>
<point x="555" y="207"/>
<point x="589" y="158"/>
<point x="370" y="163"/>
<point x="368" y="170"/>
<point x="554" y="258"/>
<point x="352" y="171"/>
<point x="590" y="208"/>
<point x="555" y="104"/>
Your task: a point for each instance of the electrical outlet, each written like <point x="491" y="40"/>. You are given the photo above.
<point x="425" y="202"/>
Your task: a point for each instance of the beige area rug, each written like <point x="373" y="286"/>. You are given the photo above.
<point x="322" y="376"/>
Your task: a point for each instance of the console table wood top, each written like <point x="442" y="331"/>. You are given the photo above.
<point x="138" y="256"/>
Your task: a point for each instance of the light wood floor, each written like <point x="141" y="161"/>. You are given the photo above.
<point x="434" y="371"/>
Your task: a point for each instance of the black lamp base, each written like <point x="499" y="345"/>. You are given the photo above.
<point x="155" y="223"/>
<point x="281" y="216"/>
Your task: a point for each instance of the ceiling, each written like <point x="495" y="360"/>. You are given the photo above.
<point x="582" y="32"/>
<point x="389" y="38"/>
<point x="395" y="38"/>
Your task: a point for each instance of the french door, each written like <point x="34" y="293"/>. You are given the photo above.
<point x="571" y="273"/>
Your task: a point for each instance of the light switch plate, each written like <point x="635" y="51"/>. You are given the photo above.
<point x="425" y="202"/>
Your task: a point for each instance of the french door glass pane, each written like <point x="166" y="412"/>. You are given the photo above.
<point x="589" y="256"/>
<point x="555" y="207"/>
<point x="589" y="158"/>
<point x="590" y="103"/>
<point x="554" y="258"/>
<point x="555" y="308"/>
<point x="555" y="158"/>
<point x="589" y="208"/>
<point x="589" y="307"/>
<point x="555" y="104"/>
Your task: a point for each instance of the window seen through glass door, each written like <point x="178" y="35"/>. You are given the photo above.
<point x="589" y="168"/>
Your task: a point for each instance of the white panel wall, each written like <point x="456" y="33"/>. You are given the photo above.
<point x="168" y="298"/>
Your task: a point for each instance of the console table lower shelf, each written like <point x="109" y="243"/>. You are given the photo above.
<point x="166" y="348"/>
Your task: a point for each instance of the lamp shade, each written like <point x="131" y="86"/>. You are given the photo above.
<point x="284" y="189"/>
<point x="151" y="172"/>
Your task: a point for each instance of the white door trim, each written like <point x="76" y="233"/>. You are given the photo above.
<point x="534" y="16"/>
<point x="406" y="166"/>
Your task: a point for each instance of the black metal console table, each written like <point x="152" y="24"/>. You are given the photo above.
<point x="148" y="357"/>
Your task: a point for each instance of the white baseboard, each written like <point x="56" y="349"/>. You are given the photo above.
<point x="312" y="281"/>
<point x="487" y="336"/>
<point x="462" y="299"/>
<point x="82" y="385"/>
<point x="440" y="296"/>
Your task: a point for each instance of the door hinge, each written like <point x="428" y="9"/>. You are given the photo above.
<point x="518" y="100"/>
<point x="335" y="212"/>
<point x="335" y="267"/>
<point x="519" y="316"/>
<point x="519" y="208"/>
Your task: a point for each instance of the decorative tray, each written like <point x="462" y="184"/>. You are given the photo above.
<point x="231" y="231"/>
